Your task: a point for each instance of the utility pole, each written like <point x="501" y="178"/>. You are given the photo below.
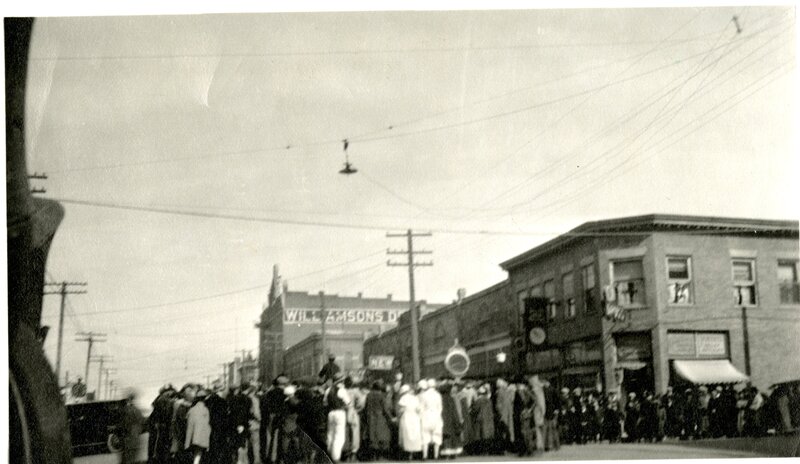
<point x="100" y="359"/>
<point x="224" y="375"/>
<point x="413" y="313"/>
<point x="109" y="370"/>
<point x="746" y="337"/>
<point x="91" y="338"/>
<point x="323" y="316"/>
<point x="63" y="291"/>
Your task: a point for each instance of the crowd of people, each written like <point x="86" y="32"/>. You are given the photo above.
<point x="331" y="418"/>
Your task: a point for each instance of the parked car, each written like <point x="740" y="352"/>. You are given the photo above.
<point x="94" y="427"/>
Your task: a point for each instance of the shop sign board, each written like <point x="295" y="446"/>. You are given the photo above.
<point x="341" y="316"/>
<point x="711" y="344"/>
<point x="681" y="344"/>
<point x="381" y="362"/>
<point x="697" y="344"/>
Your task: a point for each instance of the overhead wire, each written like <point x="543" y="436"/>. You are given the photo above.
<point x="576" y="195"/>
<point x="576" y="151"/>
<point x="522" y="47"/>
<point x="563" y="182"/>
<point x="373" y="138"/>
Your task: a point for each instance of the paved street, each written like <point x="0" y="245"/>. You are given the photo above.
<point x="719" y="449"/>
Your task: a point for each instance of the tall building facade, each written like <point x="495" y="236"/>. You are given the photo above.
<point x="290" y="317"/>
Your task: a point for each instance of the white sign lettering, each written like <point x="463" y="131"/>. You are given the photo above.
<point x="341" y="316"/>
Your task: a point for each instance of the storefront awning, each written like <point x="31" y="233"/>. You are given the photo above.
<point x="709" y="371"/>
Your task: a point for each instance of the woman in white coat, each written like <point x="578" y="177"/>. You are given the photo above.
<point x="410" y="425"/>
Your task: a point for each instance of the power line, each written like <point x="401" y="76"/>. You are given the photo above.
<point x="575" y="152"/>
<point x="228" y="293"/>
<point x="336" y="225"/>
<point x="382" y="137"/>
<point x="682" y="137"/>
<point x="63" y="290"/>
<point x="521" y="47"/>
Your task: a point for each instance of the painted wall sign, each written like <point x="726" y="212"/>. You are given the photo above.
<point x="681" y="344"/>
<point x="381" y="362"/>
<point x="697" y="344"/>
<point x="711" y="344"/>
<point x="339" y="316"/>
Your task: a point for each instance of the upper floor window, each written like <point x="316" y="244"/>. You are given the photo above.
<point x="568" y="289"/>
<point x="679" y="280"/>
<point x="628" y="283"/>
<point x="550" y="294"/>
<point x="744" y="282"/>
<point x="587" y="278"/>
<point x="522" y="296"/>
<point x="787" y="280"/>
<point x="438" y="332"/>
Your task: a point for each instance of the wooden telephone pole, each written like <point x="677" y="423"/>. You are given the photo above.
<point x="413" y="313"/>
<point x="63" y="291"/>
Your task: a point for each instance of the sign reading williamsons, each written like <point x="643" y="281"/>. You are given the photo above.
<point x="338" y="316"/>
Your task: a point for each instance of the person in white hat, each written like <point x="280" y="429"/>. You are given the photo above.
<point x="409" y="423"/>
<point x="431" y="415"/>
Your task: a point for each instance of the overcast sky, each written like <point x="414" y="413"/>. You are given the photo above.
<point x="497" y="130"/>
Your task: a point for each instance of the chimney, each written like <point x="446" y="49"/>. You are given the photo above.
<point x="389" y="297"/>
<point x="461" y="293"/>
<point x="360" y="295"/>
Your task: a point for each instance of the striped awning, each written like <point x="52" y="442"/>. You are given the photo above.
<point x="709" y="371"/>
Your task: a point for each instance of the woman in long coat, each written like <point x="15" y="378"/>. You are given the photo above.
<point x="198" y="428"/>
<point x="377" y="416"/>
<point x="410" y="425"/>
<point x="452" y="445"/>
<point x="482" y="416"/>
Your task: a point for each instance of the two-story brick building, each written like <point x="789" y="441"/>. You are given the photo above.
<point x="483" y="323"/>
<point x="677" y="285"/>
<point x="634" y="304"/>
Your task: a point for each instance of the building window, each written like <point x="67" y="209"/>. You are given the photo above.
<point x="787" y="280"/>
<point x="550" y="294"/>
<point x="679" y="280"/>
<point x="568" y="289"/>
<point x="744" y="282"/>
<point x="628" y="283"/>
<point x="587" y="278"/>
<point x="522" y="296"/>
<point x="438" y="332"/>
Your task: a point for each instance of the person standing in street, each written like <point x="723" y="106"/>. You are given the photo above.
<point x="158" y="426"/>
<point x="219" y="451"/>
<point x="241" y="411"/>
<point x="198" y="428"/>
<point x="377" y="417"/>
<point x="254" y="426"/>
<point x="272" y="405"/>
<point x="179" y="423"/>
<point x="431" y="416"/>
<point x="552" y="437"/>
<point x="336" y="400"/>
<point x="409" y="422"/>
<point x="132" y="427"/>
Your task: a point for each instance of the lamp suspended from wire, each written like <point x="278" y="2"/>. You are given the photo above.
<point x="348" y="168"/>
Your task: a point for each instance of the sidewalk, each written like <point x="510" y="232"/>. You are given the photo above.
<point x="773" y="446"/>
